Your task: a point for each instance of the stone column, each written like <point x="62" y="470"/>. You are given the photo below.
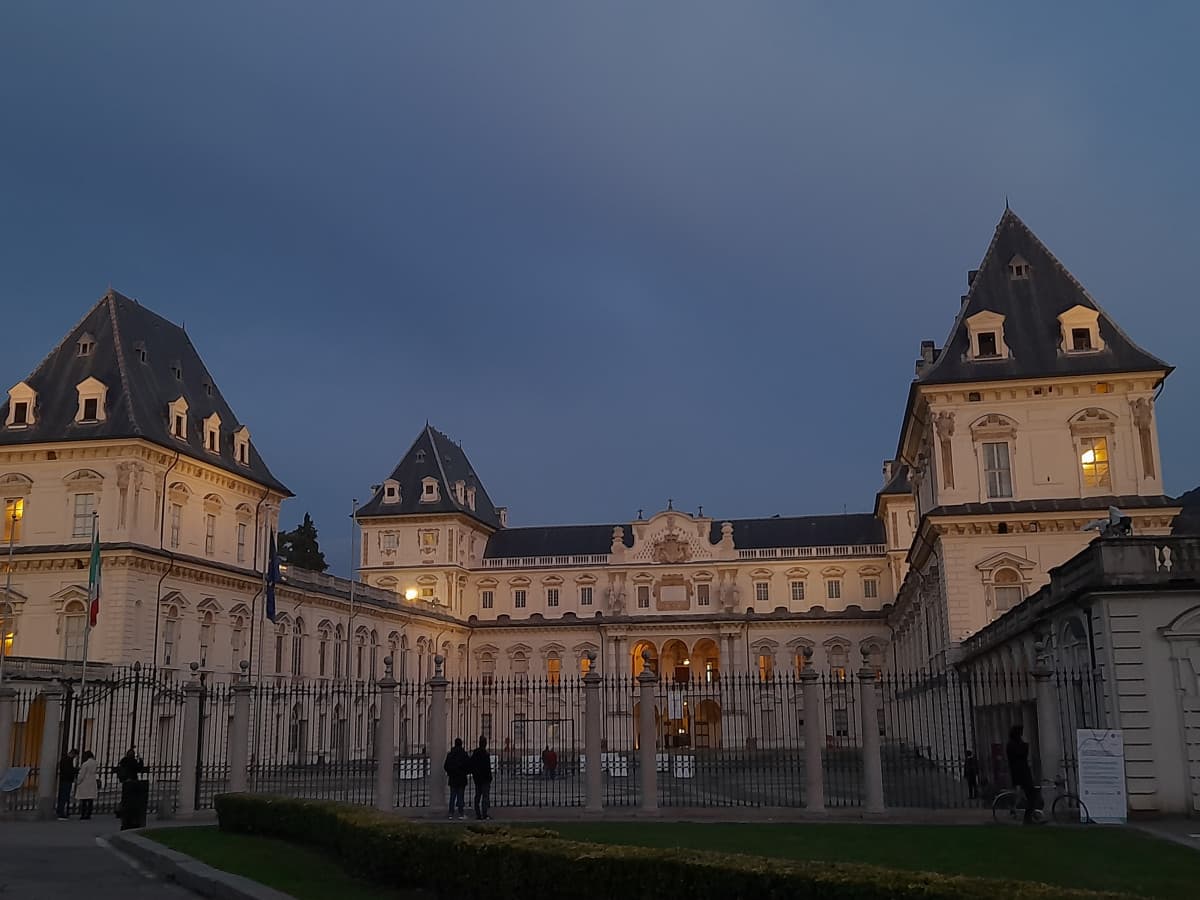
<point x="51" y="749"/>
<point x="593" y="736"/>
<point x="868" y="705"/>
<point x="435" y="739"/>
<point x="385" y="740"/>
<point x="239" y="732"/>
<point x="1049" y="736"/>
<point x="189" y="759"/>
<point x="814" y="735"/>
<point x="8" y="710"/>
<point x="647" y="734"/>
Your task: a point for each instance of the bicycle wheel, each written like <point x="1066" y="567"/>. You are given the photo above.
<point x="1069" y="810"/>
<point x="1008" y="807"/>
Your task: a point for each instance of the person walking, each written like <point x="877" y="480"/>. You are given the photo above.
<point x="1019" y="770"/>
<point x="971" y="774"/>
<point x="86" y="786"/>
<point x="481" y="771"/>
<point x="549" y="762"/>
<point x="457" y="768"/>
<point x="66" y="778"/>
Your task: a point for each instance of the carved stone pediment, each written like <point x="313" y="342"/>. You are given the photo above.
<point x="671" y="550"/>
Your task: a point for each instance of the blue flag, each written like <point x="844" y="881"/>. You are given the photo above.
<point x="272" y="580"/>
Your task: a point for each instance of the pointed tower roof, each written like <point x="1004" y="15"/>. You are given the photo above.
<point x="146" y="363"/>
<point x="433" y="456"/>
<point x="1031" y="306"/>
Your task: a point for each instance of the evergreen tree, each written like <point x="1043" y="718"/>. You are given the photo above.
<point x="299" y="547"/>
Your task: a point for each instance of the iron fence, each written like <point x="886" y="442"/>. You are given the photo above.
<point x="411" y="745"/>
<point x="619" y="725"/>
<point x="29" y="714"/>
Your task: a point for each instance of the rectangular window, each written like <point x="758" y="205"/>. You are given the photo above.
<point x="73" y="628"/>
<point x="997" y="470"/>
<point x="1081" y="339"/>
<point x="391" y="541"/>
<point x="90" y="409"/>
<point x="833" y="589"/>
<point x="85" y="505"/>
<point x="519" y="599"/>
<point x="766" y="666"/>
<point x="762" y="592"/>
<point x="170" y="630"/>
<point x="1093" y="458"/>
<point x="241" y="542"/>
<point x="489" y="599"/>
<point x="179" y="432"/>
<point x="322" y="655"/>
<point x="797" y="591"/>
<point x="14" y="512"/>
<point x="871" y="588"/>
<point x="552" y="596"/>
<point x="210" y="534"/>
<point x="987" y="343"/>
<point x="585" y="596"/>
<point x="643" y="596"/>
<point x="21" y="413"/>
<point x="1007" y="598"/>
<point x="553" y="671"/>
<point x="278" y="654"/>
<point x="176" y="522"/>
<point x="702" y="594"/>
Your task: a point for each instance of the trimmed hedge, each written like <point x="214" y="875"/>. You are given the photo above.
<point x="485" y="862"/>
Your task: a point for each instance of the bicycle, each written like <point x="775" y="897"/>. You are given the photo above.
<point x="1066" y="808"/>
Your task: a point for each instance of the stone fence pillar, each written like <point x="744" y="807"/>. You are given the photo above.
<point x="189" y="756"/>
<point x="239" y="733"/>
<point x="50" y="751"/>
<point x="868" y="704"/>
<point x="385" y="741"/>
<point x="647" y="735"/>
<point x="435" y="736"/>
<point x="1048" y="725"/>
<point x="593" y="736"/>
<point x="814" y="734"/>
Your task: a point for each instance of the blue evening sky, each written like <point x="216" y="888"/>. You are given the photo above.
<point x="621" y="251"/>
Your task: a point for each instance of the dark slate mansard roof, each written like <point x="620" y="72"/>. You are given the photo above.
<point x="433" y="455"/>
<point x="1031" y="328"/>
<point x="748" y="534"/>
<point x="138" y="392"/>
<point x="1188" y="520"/>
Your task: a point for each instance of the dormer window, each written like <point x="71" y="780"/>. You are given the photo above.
<point x="177" y="371"/>
<point x="22" y="400"/>
<point x="460" y="492"/>
<point x="471" y="499"/>
<point x="1018" y="269"/>
<point x="986" y="333"/>
<point x="139" y="350"/>
<point x="177" y="417"/>
<point x="212" y="434"/>
<point x="86" y="345"/>
<point x="1080" y="330"/>
<point x="92" y="394"/>
<point x="241" y="445"/>
<point x="429" y="490"/>
<point x="391" y="491"/>
<point x="420" y="456"/>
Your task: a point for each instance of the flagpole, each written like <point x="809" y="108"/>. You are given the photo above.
<point x="93" y="593"/>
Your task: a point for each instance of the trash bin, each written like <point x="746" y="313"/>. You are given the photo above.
<point x="135" y="797"/>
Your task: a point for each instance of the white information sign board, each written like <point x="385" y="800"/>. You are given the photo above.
<point x="1101" y="755"/>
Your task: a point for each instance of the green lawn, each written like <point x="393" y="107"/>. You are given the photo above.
<point x="1114" y="859"/>
<point x="304" y="873"/>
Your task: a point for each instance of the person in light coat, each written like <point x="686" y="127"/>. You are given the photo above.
<point x="86" y="786"/>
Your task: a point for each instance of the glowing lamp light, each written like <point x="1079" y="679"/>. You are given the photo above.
<point x="1089" y="456"/>
<point x="687" y="662"/>
<point x="410" y="594"/>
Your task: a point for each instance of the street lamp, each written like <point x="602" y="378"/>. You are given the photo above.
<point x="14" y="512"/>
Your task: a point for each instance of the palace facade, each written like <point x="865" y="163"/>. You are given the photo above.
<point x="1032" y="418"/>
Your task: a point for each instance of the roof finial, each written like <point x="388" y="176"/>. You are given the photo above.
<point x="1006" y="207"/>
<point x="670" y="503"/>
<point x="639" y="514"/>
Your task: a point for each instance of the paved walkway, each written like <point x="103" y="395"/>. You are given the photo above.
<point x="68" y="859"/>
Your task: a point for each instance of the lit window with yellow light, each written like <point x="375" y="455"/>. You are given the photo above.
<point x="1093" y="459"/>
<point x="766" y="666"/>
<point x="14" y="512"/>
<point x="8" y="627"/>
<point x="553" y="670"/>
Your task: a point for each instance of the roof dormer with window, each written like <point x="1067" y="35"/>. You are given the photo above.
<point x="241" y="446"/>
<point x="1080" y="331"/>
<point x="391" y="491"/>
<point x="212" y="434"/>
<point x="177" y="418"/>
<point x="92" y="394"/>
<point x="86" y="345"/>
<point x="22" y="405"/>
<point x="986" y="330"/>
<point x="429" y="490"/>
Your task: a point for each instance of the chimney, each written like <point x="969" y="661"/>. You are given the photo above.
<point x="887" y="471"/>
<point x="928" y="355"/>
<point x="502" y="512"/>
<point x="971" y="277"/>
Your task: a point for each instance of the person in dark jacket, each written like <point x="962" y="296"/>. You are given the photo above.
<point x="549" y="762"/>
<point x="457" y="768"/>
<point x="481" y="771"/>
<point x="1019" y="770"/>
<point x="67" y="771"/>
<point x="971" y="774"/>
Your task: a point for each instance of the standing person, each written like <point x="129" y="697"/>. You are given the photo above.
<point x="1019" y="770"/>
<point x="549" y="762"/>
<point x="481" y="771"/>
<point x="66" y="778"/>
<point x="86" y="786"/>
<point x="457" y="768"/>
<point x="971" y="774"/>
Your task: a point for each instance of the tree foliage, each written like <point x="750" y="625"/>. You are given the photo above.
<point x="299" y="547"/>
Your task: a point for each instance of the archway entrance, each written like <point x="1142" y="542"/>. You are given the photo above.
<point x="639" y="663"/>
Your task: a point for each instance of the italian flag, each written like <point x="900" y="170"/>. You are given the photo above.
<point x="94" y="579"/>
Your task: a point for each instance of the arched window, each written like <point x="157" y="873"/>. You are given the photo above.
<point x="1007" y="589"/>
<point x="339" y="641"/>
<point x="394" y="653"/>
<point x="403" y="670"/>
<point x="553" y="668"/>
<point x="360" y="653"/>
<point x="487" y="668"/>
<point x="298" y="647"/>
<point x="520" y="664"/>
<point x="238" y="640"/>
<point x="8" y="627"/>
<point x="323" y="651"/>
<point x="74" y="626"/>
<point x="206" y="633"/>
<point x="170" y="635"/>
<point x="374" y="654"/>
<point x="280" y="635"/>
